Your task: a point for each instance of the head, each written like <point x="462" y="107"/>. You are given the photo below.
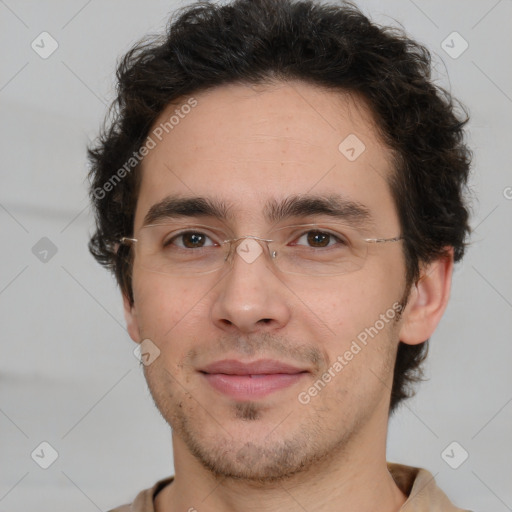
<point x="248" y="110"/>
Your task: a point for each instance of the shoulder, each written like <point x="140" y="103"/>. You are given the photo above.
<point x="144" y="501"/>
<point x="122" y="508"/>
<point x="420" y="487"/>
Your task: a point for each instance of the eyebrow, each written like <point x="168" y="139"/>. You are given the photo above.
<point x="173" y="207"/>
<point x="334" y="205"/>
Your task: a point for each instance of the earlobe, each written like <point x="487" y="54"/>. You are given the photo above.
<point x="130" y="316"/>
<point x="428" y="299"/>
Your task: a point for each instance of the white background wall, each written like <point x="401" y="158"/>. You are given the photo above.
<point x="67" y="372"/>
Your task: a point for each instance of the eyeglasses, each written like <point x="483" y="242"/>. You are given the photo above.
<point x="304" y="249"/>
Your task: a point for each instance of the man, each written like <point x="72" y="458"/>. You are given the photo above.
<point x="280" y="196"/>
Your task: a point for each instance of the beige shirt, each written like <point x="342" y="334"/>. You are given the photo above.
<point x="418" y="484"/>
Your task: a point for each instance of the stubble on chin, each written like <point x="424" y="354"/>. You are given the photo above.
<point x="296" y="446"/>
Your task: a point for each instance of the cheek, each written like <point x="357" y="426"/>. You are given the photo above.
<point x="168" y="309"/>
<point x="354" y="316"/>
<point x="345" y="307"/>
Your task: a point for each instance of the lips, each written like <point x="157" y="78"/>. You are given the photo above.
<point x="261" y="367"/>
<point x="251" y="381"/>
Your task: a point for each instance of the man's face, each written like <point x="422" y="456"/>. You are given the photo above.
<point x="251" y="147"/>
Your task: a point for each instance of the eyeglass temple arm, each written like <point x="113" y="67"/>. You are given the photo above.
<point x="127" y="240"/>
<point x="382" y="240"/>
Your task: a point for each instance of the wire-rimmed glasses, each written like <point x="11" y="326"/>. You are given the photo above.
<point x="176" y="248"/>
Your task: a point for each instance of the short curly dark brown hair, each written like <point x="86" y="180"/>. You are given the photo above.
<point x="333" y="46"/>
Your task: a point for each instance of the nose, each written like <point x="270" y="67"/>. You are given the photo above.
<point x="251" y="297"/>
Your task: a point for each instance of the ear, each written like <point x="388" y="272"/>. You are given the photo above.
<point x="428" y="299"/>
<point x="130" y="316"/>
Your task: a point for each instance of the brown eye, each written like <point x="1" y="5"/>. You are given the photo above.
<point x="190" y="240"/>
<point x="318" y="238"/>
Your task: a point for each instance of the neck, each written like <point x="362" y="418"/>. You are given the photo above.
<point x="351" y="478"/>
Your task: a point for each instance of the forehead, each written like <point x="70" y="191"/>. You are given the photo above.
<point x="248" y="144"/>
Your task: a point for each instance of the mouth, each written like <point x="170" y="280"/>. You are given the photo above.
<point x="251" y="381"/>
